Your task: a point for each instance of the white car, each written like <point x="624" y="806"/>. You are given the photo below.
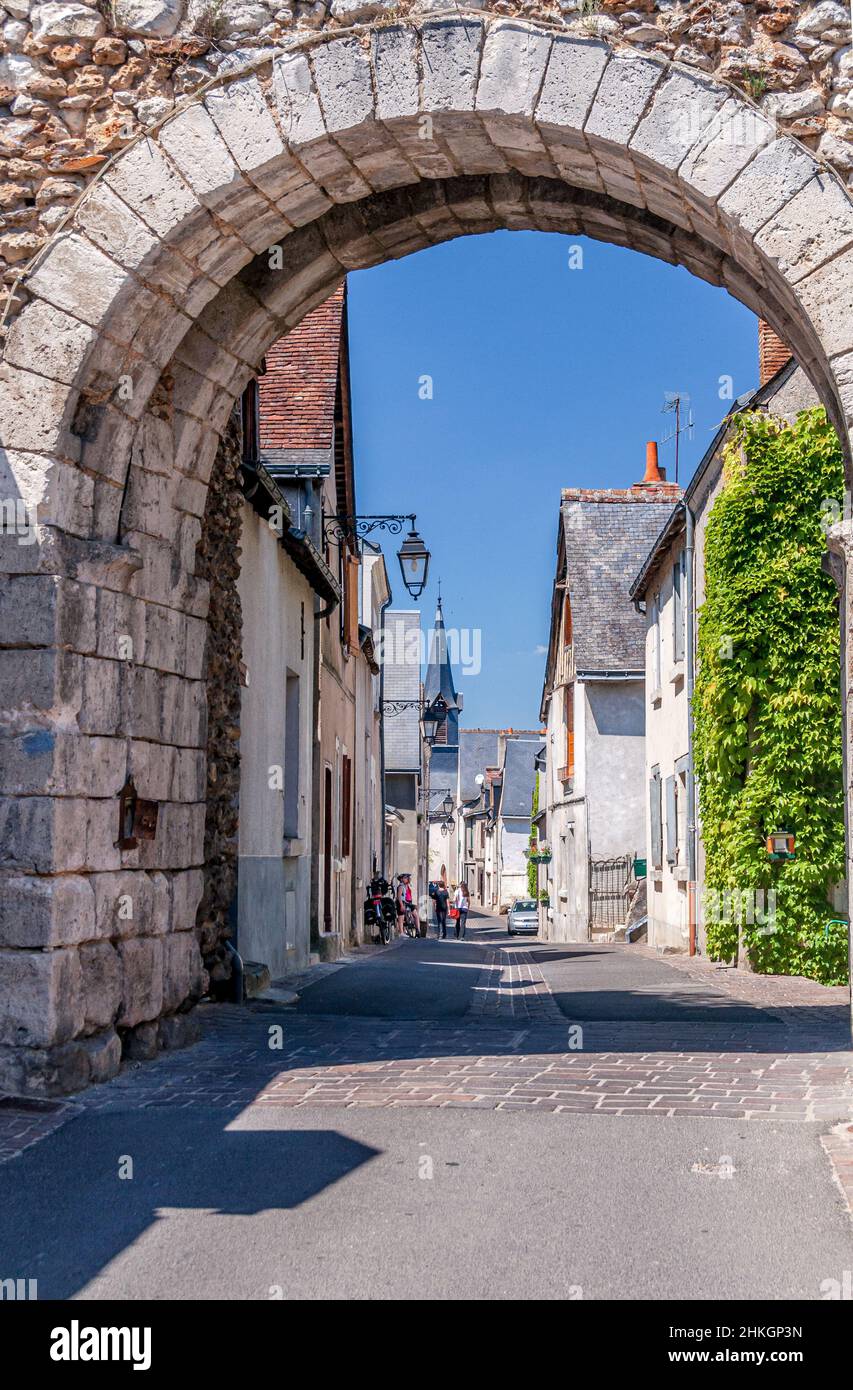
<point x="523" y="918"/>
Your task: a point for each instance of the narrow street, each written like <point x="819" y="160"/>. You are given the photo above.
<point x="427" y="1121"/>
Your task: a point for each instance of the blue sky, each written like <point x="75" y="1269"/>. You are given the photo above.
<point x="543" y="377"/>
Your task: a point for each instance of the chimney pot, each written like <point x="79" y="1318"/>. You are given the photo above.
<point x="653" y="473"/>
<point x="772" y="353"/>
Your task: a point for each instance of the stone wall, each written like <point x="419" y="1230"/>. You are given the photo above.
<point x="81" y="79"/>
<point x="218" y="562"/>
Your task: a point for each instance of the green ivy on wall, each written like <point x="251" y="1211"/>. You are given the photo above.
<point x="532" y="885"/>
<point x="767" y="709"/>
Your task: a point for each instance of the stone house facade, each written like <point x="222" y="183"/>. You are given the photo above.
<point x="591" y="811"/>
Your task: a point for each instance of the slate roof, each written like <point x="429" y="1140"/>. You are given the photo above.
<point x="401" y="661"/>
<point x="608" y="534"/>
<point x="478" y="749"/>
<point x="519" y="776"/>
<point x="443" y="771"/>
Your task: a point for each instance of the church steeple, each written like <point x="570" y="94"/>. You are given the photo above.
<point x="439" y="678"/>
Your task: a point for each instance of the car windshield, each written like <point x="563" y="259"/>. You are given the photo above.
<point x="527" y="906"/>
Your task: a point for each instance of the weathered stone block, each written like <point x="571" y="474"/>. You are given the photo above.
<point x="193" y="143"/>
<point x="101" y="982"/>
<point x="827" y="298"/>
<point x="186" y="889"/>
<point x="178" y="1030"/>
<point x="131" y="903"/>
<point x="298" y="106"/>
<point x="777" y="173"/>
<point x="245" y="122"/>
<point x="512" y="68"/>
<point x="49" y="761"/>
<point x="733" y="137"/>
<point x="44" y="337"/>
<point x="52" y="492"/>
<point x="146" y="180"/>
<point x="571" y="78"/>
<point x="103" y="1053"/>
<point x="343" y="81"/>
<point x="140" y="1043"/>
<point x="74" y="275"/>
<point x="183" y="973"/>
<point x="395" y="67"/>
<point x="622" y="98"/>
<point x="809" y="230"/>
<point x="37" y="413"/>
<point x="142" y="987"/>
<point x="43" y="913"/>
<point x="682" y="107"/>
<point x="110" y="225"/>
<point x="43" y="610"/>
<point x="40" y="997"/>
<point x="451" y="62"/>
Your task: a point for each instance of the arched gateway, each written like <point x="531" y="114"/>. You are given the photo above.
<point x="147" y="313"/>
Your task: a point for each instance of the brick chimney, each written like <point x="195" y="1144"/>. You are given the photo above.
<point x="772" y="353"/>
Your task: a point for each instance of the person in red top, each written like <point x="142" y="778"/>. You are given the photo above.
<point x="406" y="900"/>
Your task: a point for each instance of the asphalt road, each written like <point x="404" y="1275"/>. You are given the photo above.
<point x="433" y="979"/>
<point x="375" y="1203"/>
<point x="437" y="1204"/>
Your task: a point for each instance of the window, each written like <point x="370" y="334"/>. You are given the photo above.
<point x="349" y="614"/>
<point x="249" y="421"/>
<point x="655" y="819"/>
<point x="291" y="757"/>
<point x="678" y="575"/>
<point x="346" y="806"/>
<point x="655" y="631"/>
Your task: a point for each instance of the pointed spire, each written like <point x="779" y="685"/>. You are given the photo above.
<point x="439" y="676"/>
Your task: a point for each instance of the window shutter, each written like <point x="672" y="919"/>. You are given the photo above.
<point x="570" y="730"/>
<point x="671" y="820"/>
<point x="346" y="806"/>
<point x="353" y="571"/>
<point x="655" y="820"/>
<point x="678" y="609"/>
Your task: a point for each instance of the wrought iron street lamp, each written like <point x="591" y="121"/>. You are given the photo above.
<point x="414" y="562"/>
<point x="432" y="718"/>
<point x="413" y="555"/>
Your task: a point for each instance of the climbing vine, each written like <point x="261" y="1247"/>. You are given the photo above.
<point x="532" y="869"/>
<point x="766" y="707"/>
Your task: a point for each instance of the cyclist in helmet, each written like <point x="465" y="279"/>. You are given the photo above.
<point x="406" y="901"/>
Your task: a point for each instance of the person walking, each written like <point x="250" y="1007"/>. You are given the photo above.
<point x="461" y="902"/>
<point x="442" y="901"/>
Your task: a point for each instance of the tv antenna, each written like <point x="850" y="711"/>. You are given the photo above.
<point x="674" y="403"/>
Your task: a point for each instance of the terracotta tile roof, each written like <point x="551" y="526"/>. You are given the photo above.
<point x="297" y="391"/>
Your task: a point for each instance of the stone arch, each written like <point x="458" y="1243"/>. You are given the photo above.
<point x="147" y="313"/>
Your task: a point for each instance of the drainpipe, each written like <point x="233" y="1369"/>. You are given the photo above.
<point x="692" y="829"/>
<point x="238" y="973"/>
<point x="382" y="609"/>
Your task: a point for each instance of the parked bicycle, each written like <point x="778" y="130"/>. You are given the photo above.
<point x="379" y="910"/>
